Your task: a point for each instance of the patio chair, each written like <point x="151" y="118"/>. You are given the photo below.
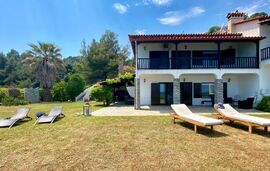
<point x="56" y="111"/>
<point x="182" y="112"/>
<point x="227" y="112"/>
<point x="20" y="114"/>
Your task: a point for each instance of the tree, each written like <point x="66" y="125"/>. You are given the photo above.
<point x="102" y="94"/>
<point x="101" y="57"/>
<point x="214" y="29"/>
<point x="257" y="14"/>
<point x="75" y="86"/>
<point x="45" y="61"/>
<point x="3" y="61"/>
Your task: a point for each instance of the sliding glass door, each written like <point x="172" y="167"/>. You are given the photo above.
<point x="161" y="93"/>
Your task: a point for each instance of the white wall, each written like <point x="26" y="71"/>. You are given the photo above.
<point x="145" y="86"/>
<point x="243" y="85"/>
<point x="265" y="31"/>
<point x="251" y="28"/>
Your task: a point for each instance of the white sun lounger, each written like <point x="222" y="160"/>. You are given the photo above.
<point x="20" y="114"/>
<point x="182" y="112"/>
<point x="55" y="112"/>
<point x="229" y="113"/>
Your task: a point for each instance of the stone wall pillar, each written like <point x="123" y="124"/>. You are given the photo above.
<point x="218" y="91"/>
<point x="176" y="91"/>
<point x="137" y="101"/>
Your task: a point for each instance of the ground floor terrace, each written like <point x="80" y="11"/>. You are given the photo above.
<point x="201" y="87"/>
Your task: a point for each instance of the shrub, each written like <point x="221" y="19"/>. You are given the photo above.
<point x="13" y="92"/>
<point x="3" y="94"/>
<point x="75" y="86"/>
<point x="102" y="94"/>
<point x="9" y="101"/>
<point x="59" y="91"/>
<point x="264" y="104"/>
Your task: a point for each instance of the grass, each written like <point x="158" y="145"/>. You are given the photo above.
<point x="128" y="143"/>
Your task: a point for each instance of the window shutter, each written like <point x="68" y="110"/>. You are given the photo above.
<point x="197" y="90"/>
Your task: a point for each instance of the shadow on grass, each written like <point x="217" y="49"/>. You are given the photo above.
<point x="203" y="130"/>
<point x="258" y="131"/>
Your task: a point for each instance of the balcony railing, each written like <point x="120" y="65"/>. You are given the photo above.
<point x="198" y="63"/>
<point x="265" y="53"/>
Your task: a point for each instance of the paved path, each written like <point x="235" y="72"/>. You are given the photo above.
<point x="128" y="110"/>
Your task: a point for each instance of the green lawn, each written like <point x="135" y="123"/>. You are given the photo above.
<point x="128" y="143"/>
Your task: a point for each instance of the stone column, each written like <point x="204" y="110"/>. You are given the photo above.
<point x="176" y="91"/>
<point x="137" y="102"/>
<point x="218" y="91"/>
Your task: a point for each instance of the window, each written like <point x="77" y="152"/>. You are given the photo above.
<point x="203" y="90"/>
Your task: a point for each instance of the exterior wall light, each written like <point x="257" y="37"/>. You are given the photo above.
<point x="229" y="80"/>
<point x="145" y="48"/>
<point x="185" y="47"/>
<point x="144" y="80"/>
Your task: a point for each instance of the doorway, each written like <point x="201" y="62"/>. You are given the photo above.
<point x="186" y="93"/>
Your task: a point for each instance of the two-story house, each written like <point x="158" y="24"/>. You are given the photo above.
<point x="193" y="68"/>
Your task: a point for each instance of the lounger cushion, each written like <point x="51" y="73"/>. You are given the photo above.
<point x="251" y="119"/>
<point x="206" y="121"/>
<point x="230" y="112"/>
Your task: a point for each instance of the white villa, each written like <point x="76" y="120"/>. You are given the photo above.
<point x="199" y="69"/>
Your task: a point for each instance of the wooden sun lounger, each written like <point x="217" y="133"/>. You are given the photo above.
<point x="231" y="115"/>
<point x="181" y="112"/>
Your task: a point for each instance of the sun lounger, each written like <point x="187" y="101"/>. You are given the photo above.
<point x="227" y="112"/>
<point x="182" y="112"/>
<point x="20" y="114"/>
<point x="55" y="112"/>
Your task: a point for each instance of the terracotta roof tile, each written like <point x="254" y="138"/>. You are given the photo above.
<point x="189" y="37"/>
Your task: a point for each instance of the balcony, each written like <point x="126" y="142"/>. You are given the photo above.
<point x="198" y="63"/>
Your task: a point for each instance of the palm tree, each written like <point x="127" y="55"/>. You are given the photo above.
<point x="44" y="60"/>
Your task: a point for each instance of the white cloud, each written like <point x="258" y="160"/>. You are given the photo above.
<point x="156" y="2"/>
<point x="196" y="11"/>
<point x="171" y="18"/>
<point x="161" y="2"/>
<point x="174" y="18"/>
<point x="140" y="31"/>
<point x="254" y="7"/>
<point x="121" y="8"/>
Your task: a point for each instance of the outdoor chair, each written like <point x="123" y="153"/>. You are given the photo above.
<point x="182" y="112"/>
<point x="227" y="112"/>
<point x="56" y="111"/>
<point x="246" y="104"/>
<point x="20" y="114"/>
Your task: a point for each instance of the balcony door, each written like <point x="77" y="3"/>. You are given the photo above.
<point x="181" y="60"/>
<point x="159" y="59"/>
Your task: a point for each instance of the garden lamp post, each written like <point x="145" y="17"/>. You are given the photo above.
<point x="87" y="109"/>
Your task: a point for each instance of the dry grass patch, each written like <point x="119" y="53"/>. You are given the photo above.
<point x="130" y="143"/>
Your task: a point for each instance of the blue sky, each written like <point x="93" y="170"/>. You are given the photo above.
<point x="67" y="22"/>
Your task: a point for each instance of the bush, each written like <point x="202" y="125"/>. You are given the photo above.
<point x="59" y="91"/>
<point x="10" y="101"/>
<point x="3" y="93"/>
<point x="75" y="86"/>
<point x="13" y="92"/>
<point x="264" y="104"/>
<point x="102" y="94"/>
